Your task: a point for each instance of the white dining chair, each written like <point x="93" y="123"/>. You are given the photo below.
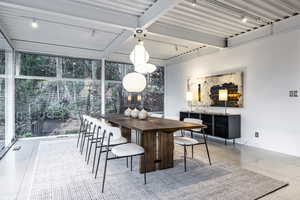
<point x="121" y="151"/>
<point x="87" y="131"/>
<point x="190" y="141"/>
<point x="105" y="129"/>
<point x="83" y="121"/>
<point x="94" y="139"/>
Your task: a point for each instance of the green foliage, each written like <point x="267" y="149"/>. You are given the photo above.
<point x="38" y="65"/>
<point x="76" y="68"/>
<point x="56" y="111"/>
<point x="27" y="134"/>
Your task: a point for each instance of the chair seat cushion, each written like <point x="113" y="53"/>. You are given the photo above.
<point x="185" y="141"/>
<point x="198" y="130"/>
<point x="127" y="150"/>
<point x="120" y="140"/>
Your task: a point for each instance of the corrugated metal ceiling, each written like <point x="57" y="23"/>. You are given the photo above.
<point x="224" y="17"/>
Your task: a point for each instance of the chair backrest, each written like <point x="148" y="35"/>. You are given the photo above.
<point x="113" y="132"/>
<point x="171" y="117"/>
<point x="99" y="127"/>
<point x="158" y="115"/>
<point x="193" y="120"/>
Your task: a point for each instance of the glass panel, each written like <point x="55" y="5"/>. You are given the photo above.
<point x="98" y="69"/>
<point x="38" y="65"/>
<point x="76" y="68"/>
<point x="154" y="94"/>
<point x="113" y="71"/>
<point x="2" y="113"/>
<point x="117" y="97"/>
<point x="53" y="107"/>
<point x="2" y="62"/>
<point x="114" y="97"/>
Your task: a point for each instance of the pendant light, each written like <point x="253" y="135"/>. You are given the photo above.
<point x="145" y="68"/>
<point x="134" y="82"/>
<point x="139" y="55"/>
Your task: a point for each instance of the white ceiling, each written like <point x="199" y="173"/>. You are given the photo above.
<point x="97" y="28"/>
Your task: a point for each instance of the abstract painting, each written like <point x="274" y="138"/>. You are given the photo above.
<point x="205" y="90"/>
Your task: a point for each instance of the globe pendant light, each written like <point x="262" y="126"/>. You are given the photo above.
<point x="145" y="68"/>
<point x="134" y="82"/>
<point x="139" y="55"/>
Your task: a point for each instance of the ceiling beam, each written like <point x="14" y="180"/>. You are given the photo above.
<point x="187" y="35"/>
<point x="194" y="54"/>
<point x="158" y="9"/>
<point x="286" y="25"/>
<point x="75" y="11"/>
<point x="129" y="23"/>
<point x="5" y="35"/>
<point x="122" y="37"/>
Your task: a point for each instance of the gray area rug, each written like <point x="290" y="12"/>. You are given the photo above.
<point x="61" y="174"/>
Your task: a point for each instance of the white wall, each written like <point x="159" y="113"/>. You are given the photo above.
<point x="272" y="68"/>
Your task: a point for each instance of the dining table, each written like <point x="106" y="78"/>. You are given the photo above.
<point x="156" y="137"/>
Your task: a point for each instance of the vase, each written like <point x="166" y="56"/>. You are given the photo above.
<point x="127" y="112"/>
<point x="143" y="114"/>
<point x="135" y="113"/>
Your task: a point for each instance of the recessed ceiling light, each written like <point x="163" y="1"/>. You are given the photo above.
<point x="244" y="19"/>
<point x="139" y="30"/>
<point x="194" y="3"/>
<point x="34" y="24"/>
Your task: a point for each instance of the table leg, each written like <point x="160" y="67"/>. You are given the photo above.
<point x="166" y="150"/>
<point x="148" y="142"/>
<point x="126" y="132"/>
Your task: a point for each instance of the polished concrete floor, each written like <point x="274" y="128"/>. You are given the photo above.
<point x="16" y="168"/>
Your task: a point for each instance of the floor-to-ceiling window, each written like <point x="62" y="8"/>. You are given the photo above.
<point x="2" y="110"/>
<point x="52" y="92"/>
<point x="116" y="98"/>
<point x="6" y="67"/>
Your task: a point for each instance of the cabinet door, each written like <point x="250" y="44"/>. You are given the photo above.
<point x="221" y="126"/>
<point x="195" y="115"/>
<point x="183" y="115"/>
<point x="208" y="121"/>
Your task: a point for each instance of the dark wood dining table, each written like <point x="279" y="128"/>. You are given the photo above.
<point x="157" y="137"/>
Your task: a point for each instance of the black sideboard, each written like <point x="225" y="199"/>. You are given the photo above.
<point x="223" y="126"/>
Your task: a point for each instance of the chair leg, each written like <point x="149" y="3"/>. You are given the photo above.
<point x="87" y="148"/>
<point x="94" y="160"/>
<point x="145" y="169"/>
<point x="130" y="163"/>
<point x="89" y="154"/>
<point x="205" y="142"/>
<point x="78" y="139"/>
<point x="98" y="162"/>
<point x="184" y="158"/>
<point x="127" y="162"/>
<point x="192" y="134"/>
<point x="104" y="174"/>
<point x="82" y="146"/>
<point x="192" y="151"/>
<point x="182" y="133"/>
